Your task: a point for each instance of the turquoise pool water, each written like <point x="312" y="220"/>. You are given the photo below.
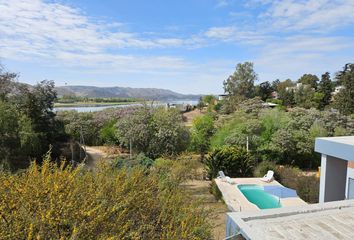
<point x="256" y="195"/>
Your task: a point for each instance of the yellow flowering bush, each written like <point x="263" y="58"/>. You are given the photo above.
<point x="59" y="202"/>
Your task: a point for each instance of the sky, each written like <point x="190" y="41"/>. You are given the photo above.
<point x="188" y="46"/>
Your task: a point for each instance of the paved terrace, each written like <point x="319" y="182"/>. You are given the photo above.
<point x="236" y="201"/>
<point x="333" y="220"/>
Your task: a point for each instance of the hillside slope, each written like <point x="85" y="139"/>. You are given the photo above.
<point x="123" y="92"/>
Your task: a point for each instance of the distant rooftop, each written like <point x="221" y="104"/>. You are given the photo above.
<point x="332" y="220"/>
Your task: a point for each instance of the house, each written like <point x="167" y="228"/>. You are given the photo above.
<point x="337" y="90"/>
<point x="222" y="96"/>
<point x="337" y="168"/>
<point x="331" y="218"/>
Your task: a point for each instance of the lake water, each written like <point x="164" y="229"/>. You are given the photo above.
<point x="100" y="108"/>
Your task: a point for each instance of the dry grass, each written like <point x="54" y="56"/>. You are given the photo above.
<point x="200" y="190"/>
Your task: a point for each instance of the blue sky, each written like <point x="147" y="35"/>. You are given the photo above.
<point x="189" y="46"/>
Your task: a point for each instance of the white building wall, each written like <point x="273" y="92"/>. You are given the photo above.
<point x="333" y="179"/>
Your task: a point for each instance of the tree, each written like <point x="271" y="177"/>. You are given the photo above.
<point x="241" y="83"/>
<point x="264" y="90"/>
<point x="209" y="99"/>
<point x="154" y="132"/>
<point x="201" y="132"/>
<point x="309" y="79"/>
<point x="326" y="88"/>
<point x="285" y="91"/>
<point x="6" y="83"/>
<point x="344" y="100"/>
<point x="17" y="137"/>
<point x="37" y="104"/>
<point x="304" y="97"/>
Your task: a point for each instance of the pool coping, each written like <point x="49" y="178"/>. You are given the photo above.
<point x="237" y="202"/>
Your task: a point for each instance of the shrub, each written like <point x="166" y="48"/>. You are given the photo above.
<point x="215" y="190"/>
<point x="108" y="133"/>
<point x="235" y="162"/>
<point x="176" y="171"/>
<point x="263" y="168"/>
<point x="54" y="202"/>
<point x="201" y="132"/>
<point x="307" y="187"/>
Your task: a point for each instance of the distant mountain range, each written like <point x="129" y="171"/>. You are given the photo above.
<point x="124" y="92"/>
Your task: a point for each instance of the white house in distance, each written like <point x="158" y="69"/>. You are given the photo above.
<point x="337" y="168"/>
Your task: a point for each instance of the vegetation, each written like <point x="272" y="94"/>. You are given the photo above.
<point x="201" y="132"/>
<point x="52" y="201"/>
<point x="27" y="123"/>
<point x="306" y="186"/>
<point x="280" y="136"/>
<point x="235" y="162"/>
<point x="154" y="132"/>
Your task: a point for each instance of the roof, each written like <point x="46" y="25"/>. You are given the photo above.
<point x="339" y="147"/>
<point x="332" y="220"/>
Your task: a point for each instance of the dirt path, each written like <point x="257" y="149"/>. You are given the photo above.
<point x="94" y="156"/>
<point x="191" y="115"/>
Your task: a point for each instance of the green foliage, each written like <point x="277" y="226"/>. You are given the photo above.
<point x="139" y="160"/>
<point x="264" y="90"/>
<point x="214" y="189"/>
<point x="108" y="133"/>
<point x="235" y="162"/>
<point x="325" y="87"/>
<point x="173" y="172"/>
<point x="263" y="167"/>
<point x="154" y="132"/>
<point x="307" y="187"/>
<point x="310" y="80"/>
<point x="28" y="125"/>
<point x="304" y="97"/>
<point x="279" y="136"/>
<point x="344" y="100"/>
<point x="209" y="99"/>
<point x="201" y="132"/>
<point x="57" y="202"/>
<point x="81" y="124"/>
<point x="241" y="83"/>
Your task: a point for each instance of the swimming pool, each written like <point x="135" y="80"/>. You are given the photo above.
<point x="256" y="195"/>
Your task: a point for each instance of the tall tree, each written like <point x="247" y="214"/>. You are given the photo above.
<point x="6" y="83"/>
<point x="325" y="87"/>
<point x="309" y="79"/>
<point x="264" y="90"/>
<point x="344" y="100"/>
<point x="241" y="83"/>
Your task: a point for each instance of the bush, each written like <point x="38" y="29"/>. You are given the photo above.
<point x="263" y="168"/>
<point x="108" y="133"/>
<point x="307" y="187"/>
<point x="176" y="171"/>
<point x="235" y="162"/>
<point x="54" y="202"/>
<point x="215" y="190"/>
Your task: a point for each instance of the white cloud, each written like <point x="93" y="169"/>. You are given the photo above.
<point x="233" y="34"/>
<point x="305" y="15"/>
<point x="31" y="29"/>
